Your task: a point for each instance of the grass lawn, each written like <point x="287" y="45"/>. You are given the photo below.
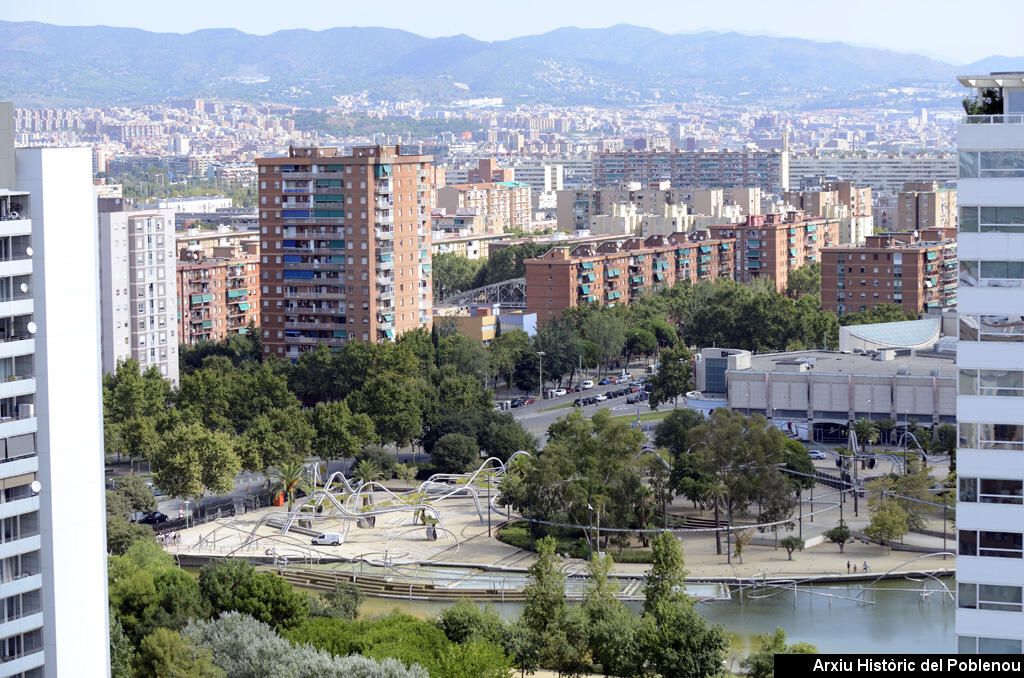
<point x="644" y="416"/>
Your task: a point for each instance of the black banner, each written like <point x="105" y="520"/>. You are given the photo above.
<point x="787" y="665"/>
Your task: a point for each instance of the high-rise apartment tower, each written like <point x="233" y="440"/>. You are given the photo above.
<point x="345" y="247"/>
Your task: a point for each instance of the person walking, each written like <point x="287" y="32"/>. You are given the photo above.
<point x="865" y="566"/>
<point x="847" y="567"/>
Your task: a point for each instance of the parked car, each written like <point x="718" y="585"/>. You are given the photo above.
<point x="578" y="402"/>
<point x="816" y="454"/>
<point x="648" y="388"/>
<point x="529" y="401"/>
<point x="327" y="539"/>
<point x="559" y="392"/>
<point x="154" y="518"/>
<point x="517" y="402"/>
<point x="573" y="389"/>
<point x="600" y="397"/>
<point x="604" y="382"/>
<point x="632" y="399"/>
<point x="590" y="400"/>
<point x="587" y="383"/>
<point x="644" y="396"/>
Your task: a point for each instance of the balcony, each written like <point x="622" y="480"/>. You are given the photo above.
<point x="1011" y="119"/>
<point x="315" y="295"/>
<point x="330" y="341"/>
<point x="327" y="327"/>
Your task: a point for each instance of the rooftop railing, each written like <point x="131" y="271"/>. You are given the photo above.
<point x="1012" y="119"/>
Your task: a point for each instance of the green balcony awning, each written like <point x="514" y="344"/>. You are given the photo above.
<point x="932" y="255"/>
<point x="724" y="245"/>
<point x="207" y="323"/>
<point x="659" y="276"/>
<point x="588" y="265"/>
<point x="753" y="264"/>
<point x="792" y="251"/>
<point x="232" y="294"/>
<point x="201" y="298"/>
<point x="585" y="288"/>
<point x="636" y="279"/>
<point x="337" y="244"/>
<point x="705" y="249"/>
<point x="339" y="334"/>
<point x="244" y="306"/>
<point x="390" y="334"/>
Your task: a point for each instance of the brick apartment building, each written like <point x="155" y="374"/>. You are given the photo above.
<point x="918" y="273"/>
<point x="772" y="245"/>
<point x="504" y="205"/>
<point x="345" y="247"/>
<point x="923" y="205"/>
<point x="218" y="295"/>
<point x="618" y="271"/>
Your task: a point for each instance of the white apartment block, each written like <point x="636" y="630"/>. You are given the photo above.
<point x="53" y="582"/>
<point x="137" y="287"/>
<point x="200" y="203"/>
<point x="879" y="172"/>
<point x="990" y="357"/>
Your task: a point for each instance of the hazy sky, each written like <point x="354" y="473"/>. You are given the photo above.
<point x="959" y="31"/>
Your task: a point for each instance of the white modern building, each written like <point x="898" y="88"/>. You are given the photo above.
<point x="882" y="172"/>
<point x="53" y="584"/>
<point x="137" y="287"/>
<point x="990" y="357"/>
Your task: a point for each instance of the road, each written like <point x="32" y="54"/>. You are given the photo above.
<point x="536" y="418"/>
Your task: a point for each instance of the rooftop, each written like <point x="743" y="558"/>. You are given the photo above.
<point x="998" y="79"/>
<point x="906" y="333"/>
<point x="832" y="362"/>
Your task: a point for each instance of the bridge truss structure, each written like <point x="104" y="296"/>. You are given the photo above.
<point x="507" y="293"/>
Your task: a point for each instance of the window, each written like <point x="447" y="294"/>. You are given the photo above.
<point x="992" y="382"/>
<point x="992" y="273"/>
<point x="975" y="645"/>
<point x="991" y="436"/>
<point x="990" y="544"/>
<point x="989" y="597"/>
<point x="991" y="491"/>
<point x="991" y="328"/>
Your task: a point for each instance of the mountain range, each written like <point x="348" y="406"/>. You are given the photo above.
<point x="46" y="64"/>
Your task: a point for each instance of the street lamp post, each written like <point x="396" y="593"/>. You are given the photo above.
<point x="540" y="380"/>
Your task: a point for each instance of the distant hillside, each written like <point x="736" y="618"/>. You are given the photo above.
<point x="46" y="64"/>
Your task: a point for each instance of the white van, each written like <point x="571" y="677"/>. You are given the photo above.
<point x="587" y="383"/>
<point x="327" y="539"/>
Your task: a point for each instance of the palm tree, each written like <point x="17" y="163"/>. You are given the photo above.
<point x="367" y="471"/>
<point x="866" y="431"/>
<point x="289" y="477"/>
<point x="715" y="494"/>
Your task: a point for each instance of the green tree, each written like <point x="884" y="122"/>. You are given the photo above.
<point x="888" y="523"/>
<point x="339" y="432"/>
<point x="341" y="602"/>
<point x="674" y="376"/>
<point x="840" y="534"/>
<point x="866" y="431"/>
<point x="505" y="352"/>
<point x="455" y="453"/>
<point x="640" y="342"/>
<point x="467" y="355"/>
<point x="608" y="332"/>
<point x="663" y="333"/>
<point x="676" y="642"/>
<point x="673" y="432"/>
<point x="804" y="280"/>
<point x="122" y="654"/>
<point x="276" y="438"/>
<point x="667" y="576"/>
<point x="121" y="534"/>
<point x="791" y="544"/>
<point x="545" y="608"/>
<point x="466" y="621"/>
<point x="396" y="410"/>
<point x="136" y="493"/>
<point x="290" y="477"/>
<point x="165" y="654"/>
<point x="761" y="664"/>
<point x="739" y="452"/>
<point x="235" y="585"/>
<point x="453" y="273"/>
<point x="191" y="460"/>
<point x="883" y="313"/>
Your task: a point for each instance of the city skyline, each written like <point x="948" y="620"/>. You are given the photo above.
<point x="934" y="36"/>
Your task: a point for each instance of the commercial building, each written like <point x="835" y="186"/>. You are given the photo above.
<point x="51" y="418"/>
<point x="817" y="394"/>
<point x="618" y="271"/>
<point x="772" y="245"/>
<point x="922" y="205"/>
<point x="768" y="170"/>
<point x="506" y="204"/>
<point x="990" y="357"/>
<point x="200" y="204"/>
<point x="345" y="247"/>
<point x="916" y="271"/>
<point x="137" y="287"/>
<point x="218" y="295"/>
<point x="485" y="322"/>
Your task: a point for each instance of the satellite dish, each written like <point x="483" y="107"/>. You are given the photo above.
<point x="28" y="251"/>
<point x="32" y="328"/>
<point x="24" y="287"/>
<point x="36" y="486"/>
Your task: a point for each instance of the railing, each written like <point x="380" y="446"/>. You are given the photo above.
<point x="1016" y="119"/>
